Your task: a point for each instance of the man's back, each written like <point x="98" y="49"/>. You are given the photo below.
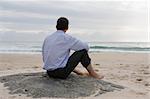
<point x="56" y="49"/>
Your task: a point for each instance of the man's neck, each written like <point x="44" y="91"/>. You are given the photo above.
<point x="62" y="30"/>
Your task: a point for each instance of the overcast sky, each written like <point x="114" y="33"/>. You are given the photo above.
<point x="106" y="21"/>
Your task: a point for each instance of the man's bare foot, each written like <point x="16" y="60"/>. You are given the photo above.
<point x="78" y="72"/>
<point x="82" y="74"/>
<point x="85" y="74"/>
<point x="95" y="75"/>
<point x="92" y="73"/>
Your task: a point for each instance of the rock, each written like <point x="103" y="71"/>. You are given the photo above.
<point x="147" y="84"/>
<point x="25" y="90"/>
<point x="146" y="72"/>
<point x="96" y="64"/>
<point x="39" y="85"/>
<point x="139" y="79"/>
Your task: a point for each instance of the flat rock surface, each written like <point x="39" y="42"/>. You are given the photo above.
<point x="38" y="85"/>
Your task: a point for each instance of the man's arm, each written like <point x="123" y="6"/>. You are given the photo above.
<point x="79" y="45"/>
<point x="76" y="44"/>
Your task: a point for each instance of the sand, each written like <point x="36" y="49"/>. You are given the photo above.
<point x="127" y="75"/>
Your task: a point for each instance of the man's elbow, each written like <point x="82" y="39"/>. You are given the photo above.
<point x="86" y="47"/>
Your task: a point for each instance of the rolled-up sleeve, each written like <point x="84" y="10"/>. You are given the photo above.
<point x="75" y="44"/>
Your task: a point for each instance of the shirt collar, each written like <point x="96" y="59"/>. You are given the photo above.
<point x="60" y="31"/>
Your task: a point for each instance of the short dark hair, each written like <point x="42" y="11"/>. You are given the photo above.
<point x="62" y="23"/>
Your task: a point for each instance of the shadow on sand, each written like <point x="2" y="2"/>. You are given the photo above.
<point x="38" y="85"/>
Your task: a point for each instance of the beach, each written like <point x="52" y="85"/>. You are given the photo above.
<point x="115" y="33"/>
<point x="130" y="70"/>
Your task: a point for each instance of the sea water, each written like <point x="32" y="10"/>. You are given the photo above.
<point x="36" y="47"/>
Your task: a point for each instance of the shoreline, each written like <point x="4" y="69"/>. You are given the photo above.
<point x="127" y="52"/>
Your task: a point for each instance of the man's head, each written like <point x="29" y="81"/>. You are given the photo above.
<point x="62" y="24"/>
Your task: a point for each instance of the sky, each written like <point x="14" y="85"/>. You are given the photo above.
<point x="90" y="20"/>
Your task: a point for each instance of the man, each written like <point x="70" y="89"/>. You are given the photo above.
<point x="56" y="49"/>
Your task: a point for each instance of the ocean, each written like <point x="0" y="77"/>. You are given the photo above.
<point x="36" y="47"/>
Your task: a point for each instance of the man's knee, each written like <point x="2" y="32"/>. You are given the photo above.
<point x="82" y="51"/>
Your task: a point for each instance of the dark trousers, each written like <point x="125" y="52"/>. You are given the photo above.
<point x="77" y="57"/>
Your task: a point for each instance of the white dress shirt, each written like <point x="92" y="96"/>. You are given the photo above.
<point x="56" y="49"/>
